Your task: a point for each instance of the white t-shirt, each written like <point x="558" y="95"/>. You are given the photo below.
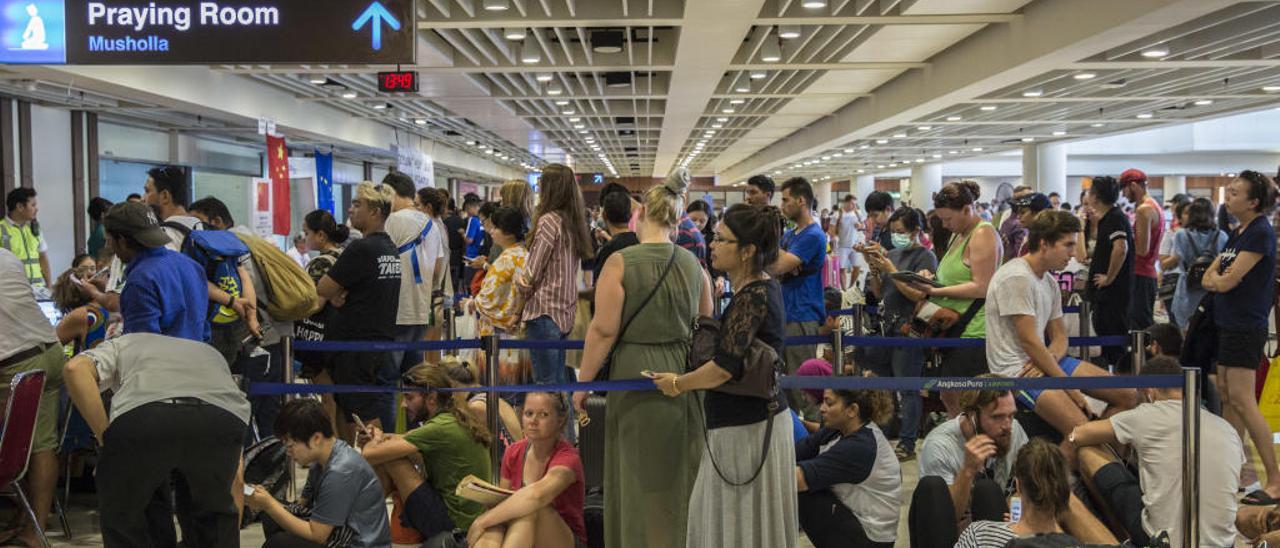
<point x="876" y="498"/>
<point x="1155" y="432"/>
<point x="1016" y="291"/>
<point x="942" y="453"/>
<point x="405" y="226"/>
<point x="849" y="234"/>
<point x="22" y="324"/>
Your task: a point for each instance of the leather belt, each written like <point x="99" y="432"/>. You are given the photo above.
<point x="25" y="354"/>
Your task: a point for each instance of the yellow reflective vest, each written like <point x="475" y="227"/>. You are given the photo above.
<point x="26" y="245"/>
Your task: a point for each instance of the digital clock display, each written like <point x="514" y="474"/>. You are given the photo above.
<point x="400" y="81"/>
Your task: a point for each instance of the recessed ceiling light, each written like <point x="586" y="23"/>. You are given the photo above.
<point x="988" y="108"/>
<point x="607" y="41"/>
<point x="826" y="157"/>
<point x="554" y="89"/>
<point x="717" y="126"/>
<point x="977" y="149"/>
<point x="496" y="5"/>
<point x="862" y="171"/>
<point x="737" y="101"/>
<point x="562" y="102"/>
<point x="924" y="128"/>
<point x="837" y="155"/>
<point x="1115" y="84"/>
<point x="1097" y="124"/>
<point x="936" y="156"/>
<point x="1084" y="76"/>
<point x="1059" y="133"/>
<point x="515" y="33"/>
<point x="899" y="135"/>
<point x="469" y="142"/>
<point x="1271" y="89"/>
<point x="770" y="51"/>
<point x="544" y="77"/>
<point x="579" y="126"/>
<point x="722" y="119"/>
<point x="864" y="147"/>
<point x="814" y="4"/>
<point x="882" y="141"/>
<point x="574" y="120"/>
<point x="759" y="74"/>
<point x="893" y="164"/>
<point x="1145" y="115"/>
<point x="349" y="95"/>
<point x="743" y="87"/>
<point x="953" y="152"/>
<point x="1155" y="52"/>
<point x="788" y="32"/>
<point x="1028" y="139"/>
<point x="420" y="121"/>
<point x="1033" y="93"/>
<point x="954" y="118"/>
<point x="529" y="53"/>
<point x="317" y="79"/>
<point x="380" y="106"/>
<point x="880" y="166"/>
<point x="584" y="131"/>
<point x="1204" y="102"/>
<point x="727" y="111"/>
<point x="568" y="111"/>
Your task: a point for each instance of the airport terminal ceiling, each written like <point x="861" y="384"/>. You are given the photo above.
<point x="725" y="88"/>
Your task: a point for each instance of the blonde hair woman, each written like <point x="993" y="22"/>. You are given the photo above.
<point x="646" y="299"/>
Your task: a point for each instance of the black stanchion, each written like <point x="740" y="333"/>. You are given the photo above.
<point x="492" y="358"/>
<point x="1138" y="346"/>
<point x="1191" y="458"/>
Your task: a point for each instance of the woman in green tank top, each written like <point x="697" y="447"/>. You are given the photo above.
<point x="971" y="260"/>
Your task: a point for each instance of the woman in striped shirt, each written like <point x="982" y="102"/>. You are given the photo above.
<point x="558" y="243"/>
<point x="1043" y="489"/>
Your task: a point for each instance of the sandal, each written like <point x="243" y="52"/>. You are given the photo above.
<point x="1259" y="498"/>
<point x="904" y="454"/>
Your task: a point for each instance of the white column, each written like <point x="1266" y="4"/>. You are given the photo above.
<point x="1174" y="184"/>
<point x="926" y="179"/>
<point x="1044" y="168"/>
<point x="822" y="191"/>
<point x="864" y="185"/>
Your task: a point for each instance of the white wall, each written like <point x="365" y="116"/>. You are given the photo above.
<point x="127" y="142"/>
<point x="51" y="169"/>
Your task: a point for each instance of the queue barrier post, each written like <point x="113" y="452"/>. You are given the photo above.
<point x="1191" y="458"/>
<point x="492" y="359"/>
<point x="1084" y="318"/>
<point x="286" y="356"/>
<point x="450" y="326"/>
<point x="1138" y="346"/>
<point x="837" y="349"/>
<point x="858" y="331"/>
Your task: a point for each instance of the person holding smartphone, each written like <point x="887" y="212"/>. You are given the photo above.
<point x="1042" y="486"/>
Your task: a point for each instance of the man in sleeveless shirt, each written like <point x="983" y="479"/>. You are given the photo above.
<point x="1148" y="228"/>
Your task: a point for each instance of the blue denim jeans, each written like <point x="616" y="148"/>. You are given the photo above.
<point x="548" y="364"/>
<point x="407" y="359"/>
<point x="909" y="362"/>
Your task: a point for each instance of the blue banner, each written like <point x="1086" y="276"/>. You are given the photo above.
<point x="324" y="182"/>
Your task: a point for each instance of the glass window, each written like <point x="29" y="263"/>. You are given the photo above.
<point x="118" y="179"/>
<point x="233" y="190"/>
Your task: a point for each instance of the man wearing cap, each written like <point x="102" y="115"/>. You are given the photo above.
<point x="1026" y="208"/>
<point x="165" y="291"/>
<point x="1148" y="227"/>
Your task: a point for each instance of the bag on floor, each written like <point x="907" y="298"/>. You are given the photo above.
<point x="593" y="517"/>
<point x="290" y="295"/>
<point x="591" y="440"/>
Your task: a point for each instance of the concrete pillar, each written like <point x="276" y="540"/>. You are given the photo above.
<point x="822" y="191"/>
<point x="1174" y="184"/>
<point x="864" y="185"/>
<point x="926" y="179"/>
<point x="1044" y="168"/>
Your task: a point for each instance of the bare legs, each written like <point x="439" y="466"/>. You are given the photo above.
<point x="1236" y="384"/>
<point x="542" y="529"/>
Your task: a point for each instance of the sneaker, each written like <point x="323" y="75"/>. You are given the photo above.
<point x="904" y="454"/>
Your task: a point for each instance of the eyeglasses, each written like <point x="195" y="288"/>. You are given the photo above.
<point x="721" y="239"/>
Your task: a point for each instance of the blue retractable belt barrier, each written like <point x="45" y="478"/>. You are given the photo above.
<point x="460" y="344"/>
<point x="788" y="382"/>
<point x="384" y="346"/>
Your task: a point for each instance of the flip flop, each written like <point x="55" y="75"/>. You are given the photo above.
<point x="1259" y="498"/>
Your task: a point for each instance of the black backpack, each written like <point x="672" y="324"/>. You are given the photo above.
<point x="1204" y="259"/>
<point x="266" y="464"/>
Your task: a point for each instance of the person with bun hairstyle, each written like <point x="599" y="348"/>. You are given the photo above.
<point x="730" y="506"/>
<point x="496" y="303"/>
<point x="548" y="286"/>
<point x="450" y="444"/>
<point x="847" y="475"/>
<point x="964" y="271"/>
<point x="1042" y="484"/>
<point x="646" y="299"/>
<point x="1242" y="281"/>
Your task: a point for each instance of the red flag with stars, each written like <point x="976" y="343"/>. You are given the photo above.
<point x="278" y="172"/>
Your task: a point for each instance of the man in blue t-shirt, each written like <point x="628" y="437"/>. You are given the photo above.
<point x="799" y="269"/>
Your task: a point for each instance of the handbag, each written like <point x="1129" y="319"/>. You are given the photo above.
<point x="607" y="367"/>
<point x="1200" y="346"/>
<point x="761" y="365"/>
<point x="934" y="321"/>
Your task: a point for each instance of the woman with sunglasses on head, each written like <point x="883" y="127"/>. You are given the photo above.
<point x="1242" y="280"/>
<point x="738" y="500"/>
<point x="545" y="472"/>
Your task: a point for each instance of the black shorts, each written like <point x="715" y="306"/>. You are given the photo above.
<point x="1241" y="347"/>
<point x="963" y="362"/>
<point x="360" y="368"/>
<point x="425" y="510"/>
<point x="1121" y="491"/>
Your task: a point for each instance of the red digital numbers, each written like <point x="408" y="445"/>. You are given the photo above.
<point x="397" y="81"/>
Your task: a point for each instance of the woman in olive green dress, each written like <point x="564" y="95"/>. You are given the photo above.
<point x="653" y="444"/>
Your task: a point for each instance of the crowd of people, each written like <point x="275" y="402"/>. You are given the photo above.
<point x="174" y="309"/>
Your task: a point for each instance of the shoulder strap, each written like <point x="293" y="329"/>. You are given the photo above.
<point x="1195" y="249"/>
<point x="958" y="328"/>
<point x="181" y="228"/>
<point x="652" y="292"/>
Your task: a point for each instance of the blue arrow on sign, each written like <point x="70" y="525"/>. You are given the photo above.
<point x="375" y="15"/>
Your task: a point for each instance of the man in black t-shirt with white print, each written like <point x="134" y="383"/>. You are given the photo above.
<point x="364" y="285"/>
<point x="1111" y="269"/>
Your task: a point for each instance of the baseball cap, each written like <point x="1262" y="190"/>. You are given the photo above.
<point x="1035" y="201"/>
<point x="1133" y="176"/>
<point x="137" y="221"/>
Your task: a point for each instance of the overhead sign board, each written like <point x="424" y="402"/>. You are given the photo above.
<point x="149" y="32"/>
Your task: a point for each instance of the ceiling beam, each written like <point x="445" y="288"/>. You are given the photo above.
<point x="1135" y="98"/>
<point x="535" y="23"/>
<point x="938" y="19"/>
<point x="1174" y="64"/>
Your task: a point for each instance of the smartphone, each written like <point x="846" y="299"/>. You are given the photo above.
<point x="248" y="490"/>
<point x="647" y="374"/>
<point x="359" y="423"/>
<point x="1015" y="509"/>
<point x="912" y="277"/>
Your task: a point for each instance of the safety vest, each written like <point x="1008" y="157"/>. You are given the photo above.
<point x="26" y="245"/>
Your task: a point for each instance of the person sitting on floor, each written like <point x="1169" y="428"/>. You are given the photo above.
<point x="478" y="402"/>
<point x="1024" y="309"/>
<point x="451" y="444"/>
<point x="1151" y="503"/>
<point x="342" y="503"/>
<point x="1042" y="487"/>
<point x="847" y="475"/>
<point x="966" y="473"/>
<point x="546" y="474"/>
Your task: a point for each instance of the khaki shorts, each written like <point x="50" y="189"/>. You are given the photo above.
<point x="50" y="361"/>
